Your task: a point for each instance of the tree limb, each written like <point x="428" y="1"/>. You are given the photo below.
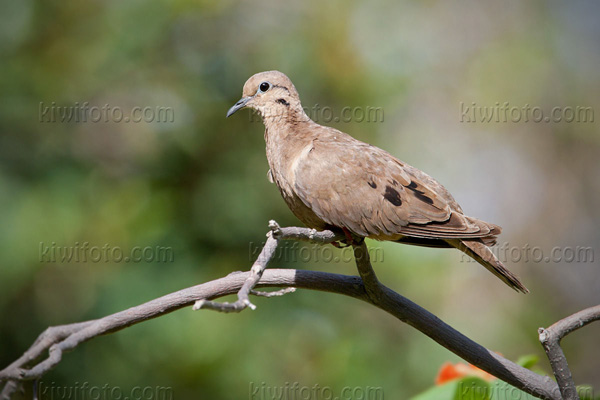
<point x="550" y="339"/>
<point x="60" y="339"/>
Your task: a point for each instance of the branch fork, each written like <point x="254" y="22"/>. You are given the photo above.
<point x="275" y="234"/>
<point x="550" y="339"/>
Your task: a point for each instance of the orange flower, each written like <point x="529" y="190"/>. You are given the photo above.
<point x="450" y="371"/>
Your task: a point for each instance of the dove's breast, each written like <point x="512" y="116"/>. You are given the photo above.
<point x="284" y="152"/>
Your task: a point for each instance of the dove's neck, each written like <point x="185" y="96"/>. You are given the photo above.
<point x="280" y="115"/>
<point x="288" y="128"/>
<point x="286" y="139"/>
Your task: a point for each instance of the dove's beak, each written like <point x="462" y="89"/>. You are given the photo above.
<point x="240" y="104"/>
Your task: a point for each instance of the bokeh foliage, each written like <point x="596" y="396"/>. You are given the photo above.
<point x="198" y="184"/>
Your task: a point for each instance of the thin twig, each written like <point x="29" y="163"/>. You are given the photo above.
<point x="550" y="339"/>
<point x="275" y="234"/>
<point x="256" y="272"/>
<point x="10" y="388"/>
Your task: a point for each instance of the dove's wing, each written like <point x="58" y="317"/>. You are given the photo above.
<point x="353" y="185"/>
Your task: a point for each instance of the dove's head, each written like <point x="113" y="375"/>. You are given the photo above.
<point x="271" y="93"/>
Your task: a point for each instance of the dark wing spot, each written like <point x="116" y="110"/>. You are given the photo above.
<point x="283" y="101"/>
<point x="392" y="196"/>
<point x="373" y="185"/>
<point x="418" y="193"/>
<point x="422" y="197"/>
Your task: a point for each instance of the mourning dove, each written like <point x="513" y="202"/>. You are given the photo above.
<point x="330" y="180"/>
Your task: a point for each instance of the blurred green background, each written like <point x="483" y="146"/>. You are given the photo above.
<point x="197" y="184"/>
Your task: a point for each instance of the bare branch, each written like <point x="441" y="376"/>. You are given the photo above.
<point x="363" y="263"/>
<point x="60" y="339"/>
<point x="273" y="236"/>
<point x="10" y="388"/>
<point x="256" y="272"/>
<point x="274" y="293"/>
<point x="562" y="328"/>
<point x="550" y="339"/>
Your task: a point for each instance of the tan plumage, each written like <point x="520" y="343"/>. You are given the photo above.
<point x="332" y="181"/>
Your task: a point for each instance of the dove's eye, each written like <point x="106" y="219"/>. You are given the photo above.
<point x="264" y="86"/>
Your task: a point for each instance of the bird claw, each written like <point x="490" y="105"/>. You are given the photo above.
<point x="351" y="239"/>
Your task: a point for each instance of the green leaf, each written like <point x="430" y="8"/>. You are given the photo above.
<point x="528" y="361"/>
<point x="586" y="392"/>
<point x="468" y="388"/>
<point x="503" y="391"/>
<point x="441" y="392"/>
<point x="472" y="388"/>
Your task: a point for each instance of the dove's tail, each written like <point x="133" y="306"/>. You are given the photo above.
<point x="477" y="250"/>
